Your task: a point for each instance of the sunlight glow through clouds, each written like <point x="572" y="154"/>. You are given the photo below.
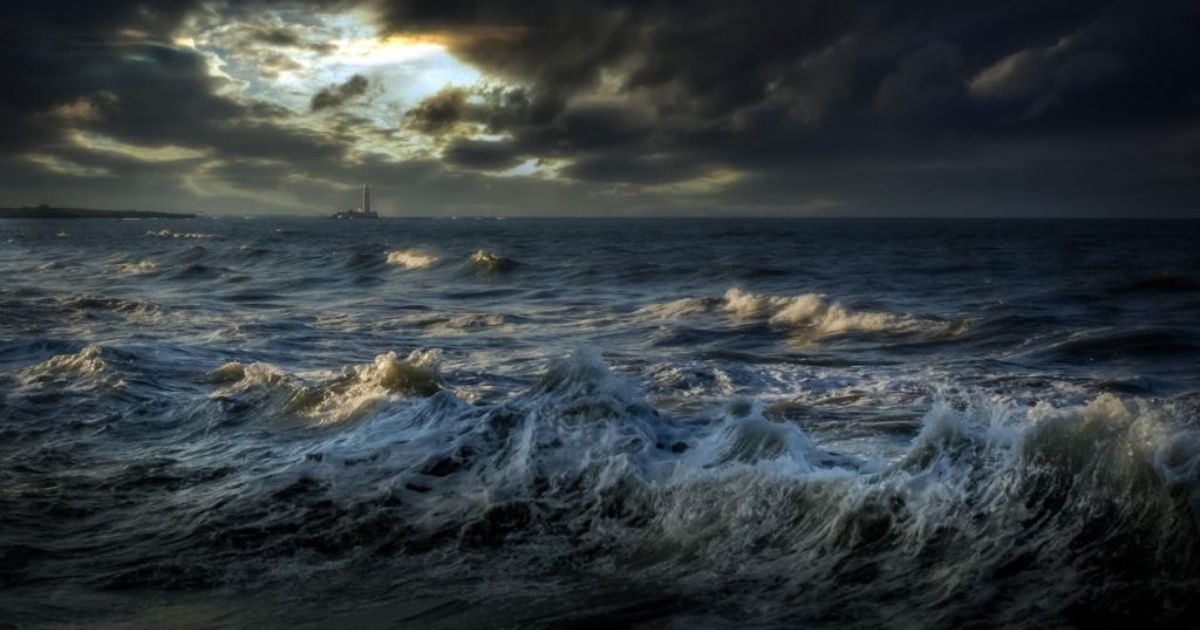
<point x="328" y="50"/>
<point x="285" y="58"/>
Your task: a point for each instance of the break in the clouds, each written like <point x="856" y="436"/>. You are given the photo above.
<point x="606" y="107"/>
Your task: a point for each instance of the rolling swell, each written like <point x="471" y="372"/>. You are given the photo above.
<point x="1110" y="345"/>
<point x="1165" y="283"/>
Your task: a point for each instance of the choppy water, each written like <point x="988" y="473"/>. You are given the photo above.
<point x="599" y="423"/>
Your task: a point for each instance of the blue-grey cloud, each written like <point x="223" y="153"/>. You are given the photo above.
<point x="883" y="106"/>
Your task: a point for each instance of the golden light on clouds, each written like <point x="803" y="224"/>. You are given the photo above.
<point x="370" y="51"/>
<point x="104" y="144"/>
<point x="382" y="98"/>
<point x="286" y="59"/>
<point x="711" y="181"/>
<point x="62" y="166"/>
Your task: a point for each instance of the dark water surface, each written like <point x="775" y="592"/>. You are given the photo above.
<point x="599" y="423"/>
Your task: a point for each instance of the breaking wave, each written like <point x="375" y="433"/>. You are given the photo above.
<point x="1079" y="512"/>
<point x="809" y="313"/>
<point x="582" y="448"/>
<point x="818" y="446"/>
<point x="331" y="398"/>
<point x="411" y="258"/>
<point x="85" y="370"/>
<point x="490" y="263"/>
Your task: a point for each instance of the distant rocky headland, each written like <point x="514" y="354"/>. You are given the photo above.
<point x="47" y="212"/>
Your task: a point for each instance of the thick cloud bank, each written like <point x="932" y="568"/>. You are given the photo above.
<point x="605" y="106"/>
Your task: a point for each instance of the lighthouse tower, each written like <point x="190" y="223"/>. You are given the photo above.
<point x="364" y="203"/>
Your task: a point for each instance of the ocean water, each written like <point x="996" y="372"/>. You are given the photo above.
<point x="482" y="423"/>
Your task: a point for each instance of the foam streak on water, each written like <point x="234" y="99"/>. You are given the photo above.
<point x="549" y="423"/>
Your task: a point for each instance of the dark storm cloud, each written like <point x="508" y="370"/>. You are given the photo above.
<point x="338" y="95"/>
<point x="591" y="127"/>
<point x="66" y="21"/>
<point x="484" y="156"/>
<point x="611" y="168"/>
<point x="778" y="89"/>
<point x="709" y="60"/>
<point x="99" y="107"/>
<point x="876" y="107"/>
<point x="441" y="112"/>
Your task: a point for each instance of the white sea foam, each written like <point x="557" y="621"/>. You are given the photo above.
<point x="581" y="456"/>
<point x="811" y="312"/>
<point x="717" y="481"/>
<point x="165" y="233"/>
<point x="84" y="370"/>
<point x="136" y="267"/>
<point x="332" y="398"/>
<point x="808" y="313"/>
<point x="411" y="258"/>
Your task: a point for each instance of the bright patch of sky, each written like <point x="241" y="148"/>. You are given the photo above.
<point x="313" y="51"/>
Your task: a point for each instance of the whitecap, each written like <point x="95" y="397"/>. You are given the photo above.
<point x="331" y="398"/>
<point x="490" y="262"/>
<point x="165" y="233"/>
<point x="810" y="314"/>
<point x="136" y="267"/>
<point x="411" y="258"/>
<point x="84" y="370"/>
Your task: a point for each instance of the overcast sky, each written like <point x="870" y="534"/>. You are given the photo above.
<point x="605" y="107"/>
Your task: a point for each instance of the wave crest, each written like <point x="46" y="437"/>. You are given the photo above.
<point x="582" y="450"/>
<point x="165" y="233"/>
<point x="808" y="313"/>
<point x="411" y="258"/>
<point x="812" y="312"/>
<point x="1044" y="503"/>
<point x="85" y="370"/>
<point x="331" y="399"/>
<point x="136" y="267"/>
<point x="489" y="262"/>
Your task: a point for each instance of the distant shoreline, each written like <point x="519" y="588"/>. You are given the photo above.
<point x="46" y="212"/>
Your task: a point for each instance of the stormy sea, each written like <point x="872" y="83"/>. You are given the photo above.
<point x="543" y="423"/>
